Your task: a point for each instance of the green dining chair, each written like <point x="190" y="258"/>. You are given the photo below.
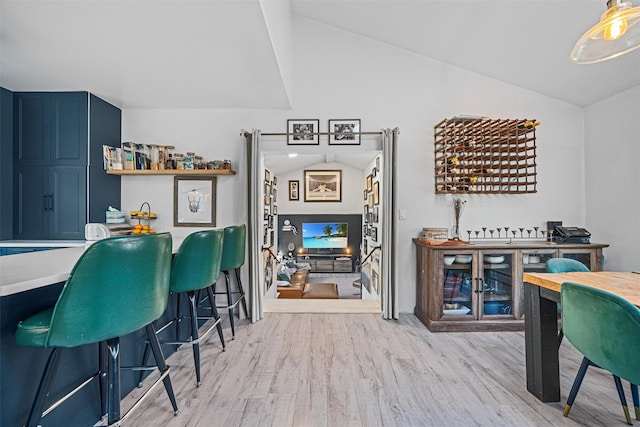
<point x="605" y="328"/>
<point x="233" y="256"/>
<point x="117" y="286"/>
<point x="195" y="266"/>
<point x="564" y="265"/>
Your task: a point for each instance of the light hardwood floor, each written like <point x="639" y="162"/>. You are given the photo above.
<point x="360" y="370"/>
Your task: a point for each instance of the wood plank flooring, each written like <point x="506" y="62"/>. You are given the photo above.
<point x="360" y="370"/>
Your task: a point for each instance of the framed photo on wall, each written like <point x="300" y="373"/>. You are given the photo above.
<point x="294" y="193"/>
<point x="376" y="193"/>
<point x="194" y="201"/>
<point x="303" y="132"/>
<point x="344" y="132"/>
<point x="369" y="183"/>
<point x="322" y="185"/>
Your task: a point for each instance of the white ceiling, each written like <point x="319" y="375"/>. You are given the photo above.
<point x="200" y="53"/>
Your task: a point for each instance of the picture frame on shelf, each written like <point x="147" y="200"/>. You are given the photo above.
<point x="344" y="132"/>
<point x="294" y="190"/>
<point x="323" y="185"/>
<point x="303" y="132"/>
<point x="194" y="201"/>
<point x="376" y="193"/>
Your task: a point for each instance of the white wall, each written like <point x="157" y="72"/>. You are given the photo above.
<point x="340" y="75"/>
<point x="612" y="140"/>
<point x="351" y="192"/>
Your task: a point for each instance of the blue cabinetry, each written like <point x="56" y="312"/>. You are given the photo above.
<point x="6" y="163"/>
<point x="57" y="185"/>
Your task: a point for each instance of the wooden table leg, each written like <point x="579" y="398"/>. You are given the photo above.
<point x="541" y="344"/>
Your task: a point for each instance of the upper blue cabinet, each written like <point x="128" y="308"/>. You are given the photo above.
<point x="50" y="128"/>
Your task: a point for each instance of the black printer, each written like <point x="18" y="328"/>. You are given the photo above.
<point x="571" y="235"/>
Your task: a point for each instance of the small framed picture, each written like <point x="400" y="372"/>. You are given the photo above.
<point x="322" y="185"/>
<point x="194" y="201"/>
<point x="275" y="210"/>
<point x="374" y="234"/>
<point x="365" y="194"/>
<point x="364" y="246"/>
<point x="378" y="163"/>
<point x="374" y="172"/>
<point x="266" y="213"/>
<point x="344" y="132"/>
<point x="303" y="132"/>
<point x="275" y="180"/>
<point x="369" y="183"/>
<point x="370" y="201"/>
<point x="267" y="176"/>
<point x="376" y="193"/>
<point x="294" y="193"/>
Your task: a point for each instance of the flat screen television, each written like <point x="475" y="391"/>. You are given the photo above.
<point x="324" y="235"/>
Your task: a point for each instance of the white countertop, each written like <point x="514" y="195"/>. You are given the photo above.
<point x="23" y="272"/>
<point x="33" y="270"/>
<point x="41" y="243"/>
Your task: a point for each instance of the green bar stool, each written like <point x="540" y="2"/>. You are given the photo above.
<point x="605" y="328"/>
<point x="195" y="266"/>
<point x="109" y="293"/>
<point x="233" y="255"/>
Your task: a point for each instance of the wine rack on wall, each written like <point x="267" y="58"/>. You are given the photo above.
<point x="485" y="156"/>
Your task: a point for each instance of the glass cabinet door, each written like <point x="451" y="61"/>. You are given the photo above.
<point x="584" y="256"/>
<point x="457" y="285"/>
<point x="535" y="261"/>
<point x="497" y="284"/>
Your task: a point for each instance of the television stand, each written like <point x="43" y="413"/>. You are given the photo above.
<point x="327" y="263"/>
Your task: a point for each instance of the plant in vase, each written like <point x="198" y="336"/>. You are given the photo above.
<point x="458" y="207"/>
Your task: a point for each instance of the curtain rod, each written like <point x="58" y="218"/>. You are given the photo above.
<point x="318" y="133"/>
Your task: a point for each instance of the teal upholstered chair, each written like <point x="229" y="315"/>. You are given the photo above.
<point x="195" y="266"/>
<point x="564" y="265"/>
<point x="233" y="256"/>
<point x="117" y="286"/>
<point x="605" y="328"/>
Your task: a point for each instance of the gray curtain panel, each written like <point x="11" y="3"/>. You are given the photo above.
<point x="389" y="294"/>
<point x="254" y="192"/>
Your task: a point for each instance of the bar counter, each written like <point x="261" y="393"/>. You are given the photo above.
<point x="31" y="282"/>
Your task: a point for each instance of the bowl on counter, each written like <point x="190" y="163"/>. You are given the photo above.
<point x="494" y="259"/>
<point x="455" y="309"/>
<point x="463" y="259"/>
<point x="449" y="259"/>
<point x="534" y="259"/>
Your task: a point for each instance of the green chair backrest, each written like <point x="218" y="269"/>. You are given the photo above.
<point x="604" y="327"/>
<point x="235" y="238"/>
<point x="565" y="265"/>
<point x="196" y="264"/>
<point x="118" y="285"/>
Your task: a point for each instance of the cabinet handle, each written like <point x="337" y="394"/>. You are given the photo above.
<point x="479" y="288"/>
<point x="50" y="202"/>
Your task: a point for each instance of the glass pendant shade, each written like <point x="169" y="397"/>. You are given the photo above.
<point x="617" y="33"/>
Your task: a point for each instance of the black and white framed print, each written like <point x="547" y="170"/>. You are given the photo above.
<point x="303" y="132"/>
<point x="293" y="190"/>
<point x="323" y="185"/>
<point x="344" y="132"/>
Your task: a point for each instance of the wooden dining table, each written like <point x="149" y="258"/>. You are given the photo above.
<point x="541" y="295"/>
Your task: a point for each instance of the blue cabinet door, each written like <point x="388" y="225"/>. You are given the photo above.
<point x="69" y="128"/>
<point x="30" y="202"/>
<point x="50" y="202"/>
<point x="50" y="128"/>
<point x="31" y="128"/>
<point x="67" y="213"/>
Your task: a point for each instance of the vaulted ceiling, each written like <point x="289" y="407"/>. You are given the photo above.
<point x="199" y="53"/>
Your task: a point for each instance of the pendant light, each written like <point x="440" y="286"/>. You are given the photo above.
<point x="617" y="33"/>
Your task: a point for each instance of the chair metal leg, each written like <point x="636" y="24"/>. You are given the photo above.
<point x="576" y="385"/>
<point x="216" y="316"/>
<point x="195" y="340"/>
<point x="227" y="280"/>
<point x="102" y="376"/>
<point x="623" y="399"/>
<point x="113" y="368"/>
<point x="162" y="365"/>
<point x="243" y="299"/>
<point x="636" y="400"/>
<point x="43" y="389"/>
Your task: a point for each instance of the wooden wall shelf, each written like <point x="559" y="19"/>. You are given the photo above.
<point x="485" y="156"/>
<point x="208" y="172"/>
